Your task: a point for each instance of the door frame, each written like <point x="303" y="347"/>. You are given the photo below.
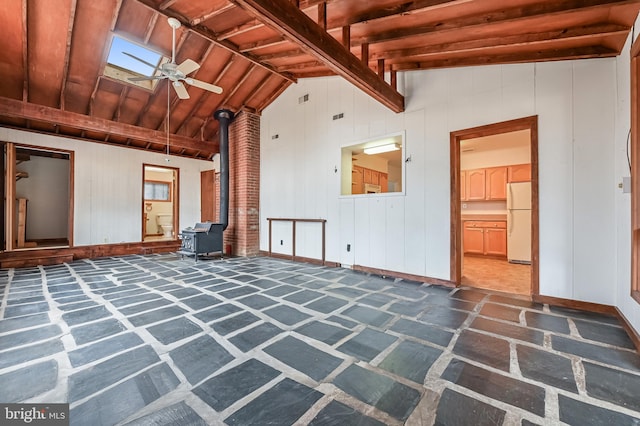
<point x="526" y="123"/>
<point x="175" y="197"/>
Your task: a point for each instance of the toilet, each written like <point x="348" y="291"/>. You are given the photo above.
<point x="165" y="223"/>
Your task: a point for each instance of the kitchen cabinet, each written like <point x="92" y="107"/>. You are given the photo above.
<point x="357" y="180"/>
<point x="488" y="238"/>
<point x="519" y="173"/>
<point x="384" y="182"/>
<point x="362" y="175"/>
<point x="476" y="187"/>
<point x="496" y="182"/>
<point x="490" y="184"/>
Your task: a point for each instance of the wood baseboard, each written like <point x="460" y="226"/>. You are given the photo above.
<point x="593" y="307"/>
<point x="411" y="277"/>
<point x="299" y="259"/>
<point x="575" y="304"/>
<point x="633" y="334"/>
<point x="58" y="255"/>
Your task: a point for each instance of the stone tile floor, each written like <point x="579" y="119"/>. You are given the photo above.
<point x="155" y="339"/>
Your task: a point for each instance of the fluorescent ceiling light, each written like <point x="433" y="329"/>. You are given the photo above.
<point x="381" y="148"/>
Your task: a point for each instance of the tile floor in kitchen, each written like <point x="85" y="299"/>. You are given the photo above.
<point x="158" y="339"/>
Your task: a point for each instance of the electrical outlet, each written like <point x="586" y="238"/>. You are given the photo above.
<point x="348" y="247"/>
<point x="281" y="242"/>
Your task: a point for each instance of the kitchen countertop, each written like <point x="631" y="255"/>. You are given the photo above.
<point x="479" y="216"/>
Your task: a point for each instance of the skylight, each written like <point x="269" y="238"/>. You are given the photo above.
<point x="122" y="67"/>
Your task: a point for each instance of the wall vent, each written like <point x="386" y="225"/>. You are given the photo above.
<point x="303" y="99"/>
<point x="338" y="116"/>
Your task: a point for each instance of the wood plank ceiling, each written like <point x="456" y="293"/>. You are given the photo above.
<point x="54" y="53"/>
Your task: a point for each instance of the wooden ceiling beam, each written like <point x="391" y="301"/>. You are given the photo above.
<point x="240" y="29"/>
<point x="211" y="14"/>
<point x="25" y="53"/>
<point x="409" y="7"/>
<point x="56" y="117"/>
<point x="588" y="52"/>
<point x="521" y="40"/>
<point x="548" y="10"/>
<point x="67" y="54"/>
<point x="290" y="20"/>
<point x="269" y="42"/>
<point x="211" y="36"/>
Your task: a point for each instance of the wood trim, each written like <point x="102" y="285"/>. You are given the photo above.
<point x="10" y="196"/>
<point x="299" y="259"/>
<point x="296" y="25"/>
<point x="530" y="123"/>
<point x="592" y="307"/>
<point x="635" y="170"/>
<point x="35" y="257"/>
<point x="29" y="111"/>
<point x="575" y="304"/>
<point x="403" y="275"/>
<point x="293" y="235"/>
<point x="633" y="334"/>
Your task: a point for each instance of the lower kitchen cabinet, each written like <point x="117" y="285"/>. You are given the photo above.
<point x="487" y="238"/>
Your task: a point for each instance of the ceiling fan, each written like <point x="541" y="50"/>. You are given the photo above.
<point x="177" y="74"/>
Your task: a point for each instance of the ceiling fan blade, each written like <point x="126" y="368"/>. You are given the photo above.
<point x="155" y="77"/>
<point x="181" y="90"/>
<point x="206" y="86"/>
<point x="154" y="66"/>
<point x="188" y="66"/>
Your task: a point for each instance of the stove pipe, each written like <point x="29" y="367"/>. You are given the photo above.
<point x="225" y="117"/>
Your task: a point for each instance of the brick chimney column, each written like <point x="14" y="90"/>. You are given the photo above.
<point x="243" y="232"/>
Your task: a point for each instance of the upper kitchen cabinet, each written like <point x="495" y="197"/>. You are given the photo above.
<point x="519" y="173"/>
<point x="476" y="187"/>
<point x="496" y="182"/>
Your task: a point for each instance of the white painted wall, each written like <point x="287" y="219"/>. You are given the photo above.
<point x="108" y="186"/>
<point x="47" y="192"/>
<point x="583" y="111"/>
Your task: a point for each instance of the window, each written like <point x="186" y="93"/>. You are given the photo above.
<point x="635" y="170"/>
<point x="121" y="66"/>
<point x="373" y="166"/>
<point x="157" y="191"/>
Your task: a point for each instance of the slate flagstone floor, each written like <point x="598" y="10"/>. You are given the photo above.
<point x="157" y="340"/>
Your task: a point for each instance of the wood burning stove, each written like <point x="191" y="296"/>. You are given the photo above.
<point x="204" y="238"/>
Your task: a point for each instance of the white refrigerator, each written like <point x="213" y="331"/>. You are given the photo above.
<point x="519" y="222"/>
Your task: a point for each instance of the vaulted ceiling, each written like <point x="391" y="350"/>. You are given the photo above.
<point x="54" y="53"/>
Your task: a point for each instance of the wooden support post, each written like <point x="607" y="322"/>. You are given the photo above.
<point x="322" y="15"/>
<point x="346" y="37"/>
<point x="364" y="53"/>
<point x="394" y="80"/>
<point x="381" y="68"/>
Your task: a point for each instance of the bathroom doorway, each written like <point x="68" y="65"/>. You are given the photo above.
<point x="159" y="203"/>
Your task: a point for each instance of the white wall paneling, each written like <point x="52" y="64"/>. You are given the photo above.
<point x="576" y="106"/>
<point x="108" y="187"/>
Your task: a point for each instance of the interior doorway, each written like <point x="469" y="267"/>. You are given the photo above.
<point x="159" y="203"/>
<point x="38" y="201"/>
<point x="494" y="207"/>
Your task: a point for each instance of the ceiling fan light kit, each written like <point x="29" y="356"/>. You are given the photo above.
<point x="177" y="74"/>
